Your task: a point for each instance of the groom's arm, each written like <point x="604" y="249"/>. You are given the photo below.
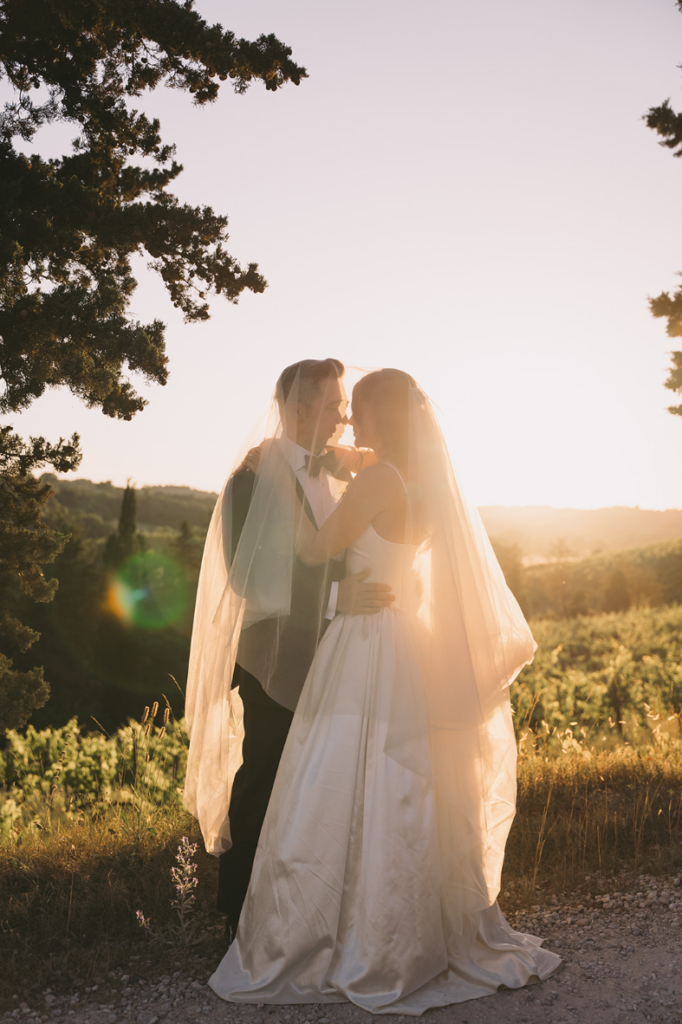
<point x="355" y="597"/>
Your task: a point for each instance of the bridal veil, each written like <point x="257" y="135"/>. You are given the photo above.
<point x="243" y="607"/>
<point x="472" y="640"/>
<point x="470" y="637"/>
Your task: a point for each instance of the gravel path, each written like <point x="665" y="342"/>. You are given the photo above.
<point x="622" y="963"/>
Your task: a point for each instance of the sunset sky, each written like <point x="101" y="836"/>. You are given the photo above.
<point x="465" y="191"/>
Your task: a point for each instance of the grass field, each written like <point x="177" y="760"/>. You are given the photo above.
<point x="603" y="680"/>
<point x="89" y="823"/>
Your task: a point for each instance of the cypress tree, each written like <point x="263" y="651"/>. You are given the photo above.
<point x="126" y="541"/>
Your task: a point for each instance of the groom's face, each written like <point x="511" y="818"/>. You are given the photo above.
<point x="323" y="417"/>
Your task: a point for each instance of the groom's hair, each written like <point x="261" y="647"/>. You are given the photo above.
<point x="309" y="373"/>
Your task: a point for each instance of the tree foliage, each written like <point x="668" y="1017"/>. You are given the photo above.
<point x="668" y="125"/>
<point x="70" y="227"/>
<point x="26" y="545"/>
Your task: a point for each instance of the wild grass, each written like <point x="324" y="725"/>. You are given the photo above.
<point x="599" y="726"/>
<point x="70" y="893"/>
<point x="90" y="824"/>
<point x="70" y="889"/>
<point x="595" y="813"/>
<point x="89" y="830"/>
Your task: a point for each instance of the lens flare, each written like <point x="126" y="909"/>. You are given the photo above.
<point x="149" y="590"/>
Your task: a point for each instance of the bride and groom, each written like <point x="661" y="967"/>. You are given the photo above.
<point x="352" y="757"/>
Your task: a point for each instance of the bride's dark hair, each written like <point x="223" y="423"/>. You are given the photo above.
<point x="386" y="393"/>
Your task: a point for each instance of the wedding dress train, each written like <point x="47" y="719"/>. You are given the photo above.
<point x="347" y="900"/>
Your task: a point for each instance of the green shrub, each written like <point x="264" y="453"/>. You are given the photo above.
<point x="57" y="774"/>
<point x="609" y="679"/>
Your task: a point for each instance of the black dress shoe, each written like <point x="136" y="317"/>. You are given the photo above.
<point x="230" y="932"/>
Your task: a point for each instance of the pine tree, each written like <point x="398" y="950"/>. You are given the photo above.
<point x="69" y="228"/>
<point x="26" y="545"/>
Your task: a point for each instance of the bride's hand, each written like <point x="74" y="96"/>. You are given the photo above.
<point x="251" y="459"/>
<point x="354" y="459"/>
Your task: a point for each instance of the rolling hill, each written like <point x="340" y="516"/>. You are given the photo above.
<point x="539" y="532"/>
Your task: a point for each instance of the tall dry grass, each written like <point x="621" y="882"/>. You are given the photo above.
<point x="69" y="896"/>
<point x="75" y="866"/>
<point x="89" y="829"/>
<point x="69" y="892"/>
<point x="593" y="815"/>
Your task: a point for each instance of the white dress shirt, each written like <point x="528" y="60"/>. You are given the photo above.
<point x="323" y="493"/>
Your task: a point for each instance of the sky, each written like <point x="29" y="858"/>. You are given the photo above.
<point x="465" y="191"/>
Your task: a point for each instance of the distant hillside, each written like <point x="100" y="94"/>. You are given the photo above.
<point x="544" y="533"/>
<point x="609" y="582"/>
<point x="540" y="533"/>
<point x="99" y="505"/>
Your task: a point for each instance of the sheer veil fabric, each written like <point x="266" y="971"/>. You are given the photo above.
<point x="452" y="724"/>
<point x="378" y="866"/>
<point x="453" y="727"/>
<point x="243" y="611"/>
<point x="472" y="641"/>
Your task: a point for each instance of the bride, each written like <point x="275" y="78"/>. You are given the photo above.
<point x="379" y="861"/>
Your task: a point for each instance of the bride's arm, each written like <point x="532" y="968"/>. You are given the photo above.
<point x="354" y="459"/>
<point x="370" y="493"/>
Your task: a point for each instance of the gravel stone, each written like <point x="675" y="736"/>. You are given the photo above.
<point x="622" y="965"/>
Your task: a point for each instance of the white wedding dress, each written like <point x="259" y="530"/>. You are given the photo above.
<point x="343" y="902"/>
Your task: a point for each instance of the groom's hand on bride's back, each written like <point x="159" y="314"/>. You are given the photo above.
<point x="359" y="598"/>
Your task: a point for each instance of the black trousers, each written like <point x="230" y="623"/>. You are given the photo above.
<point x="266" y="725"/>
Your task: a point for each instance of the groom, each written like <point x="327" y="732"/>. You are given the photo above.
<point x="317" y="594"/>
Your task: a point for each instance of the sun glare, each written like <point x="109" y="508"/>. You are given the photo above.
<point x="149" y="591"/>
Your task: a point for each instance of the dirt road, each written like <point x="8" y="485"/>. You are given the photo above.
<point x="621" y="942"/>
